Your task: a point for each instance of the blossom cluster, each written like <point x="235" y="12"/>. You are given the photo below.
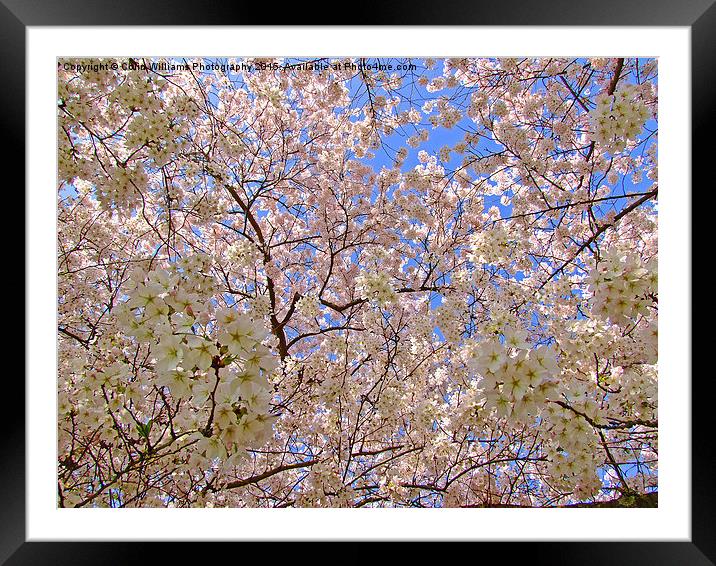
<point x="212" y="359"/>
<point x="121" y="187"/>
<point x="623" y="286"/>
<point x="242" y="255"/>
<point x="489" y="246"/>
<point x="573" y="460"/>
<point x="515" y="378"/>
<point x="619" y="117"/>
<point x="450" y="318"/>
<point x="309" y="306"/>
<point x="376" y="286"/>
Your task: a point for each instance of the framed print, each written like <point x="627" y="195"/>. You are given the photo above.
<point x="361" y="283"/>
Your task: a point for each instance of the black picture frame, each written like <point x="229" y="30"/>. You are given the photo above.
<point x="698" y="15"/>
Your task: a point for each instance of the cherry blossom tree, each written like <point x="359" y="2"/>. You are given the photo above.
<point x="351" y="282"/>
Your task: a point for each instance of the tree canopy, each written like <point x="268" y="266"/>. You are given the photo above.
<point x="351" y="282"/>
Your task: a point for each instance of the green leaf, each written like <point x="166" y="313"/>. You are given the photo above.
<point x="144" y="429"/>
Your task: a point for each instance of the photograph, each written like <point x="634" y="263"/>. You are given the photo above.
<point x="357" y="282"/>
